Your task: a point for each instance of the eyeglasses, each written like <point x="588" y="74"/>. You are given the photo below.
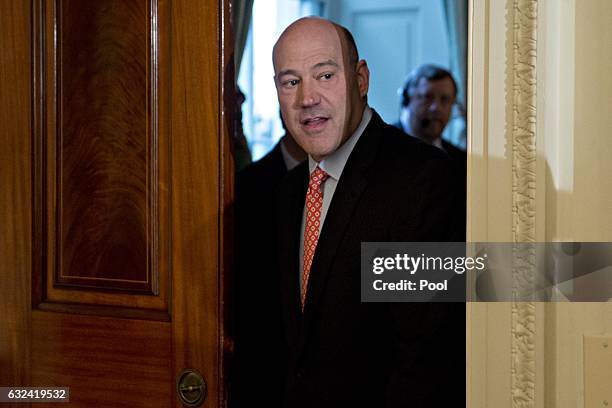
<point x="428" y="99"/>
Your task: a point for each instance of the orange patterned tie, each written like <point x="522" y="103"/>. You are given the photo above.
<point x="314" y="202"/>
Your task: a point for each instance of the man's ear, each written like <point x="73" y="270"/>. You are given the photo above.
<point x="363" y="77"/>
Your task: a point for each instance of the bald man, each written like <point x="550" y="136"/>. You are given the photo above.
<point x="363" y="181"/>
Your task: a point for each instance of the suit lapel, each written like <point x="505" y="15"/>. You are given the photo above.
<point x="351" y="185"/>
<point x="289" y="257"/>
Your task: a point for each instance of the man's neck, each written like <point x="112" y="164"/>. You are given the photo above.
<point x="435" y="142"/>
<point x="405" y="123"/>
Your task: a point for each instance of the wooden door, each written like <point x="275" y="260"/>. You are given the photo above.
<point x="113" y="198"/>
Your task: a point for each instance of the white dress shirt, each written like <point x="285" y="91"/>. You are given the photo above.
<point x="333" y="165"/>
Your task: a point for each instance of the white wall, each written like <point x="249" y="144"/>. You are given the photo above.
<point x="539" y="169"/>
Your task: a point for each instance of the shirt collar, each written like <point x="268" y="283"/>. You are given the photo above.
<point x="334" y="163"/>
<point x="438" y="143"/>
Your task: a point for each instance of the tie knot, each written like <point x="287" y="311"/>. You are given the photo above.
<point x="318" y="176"/>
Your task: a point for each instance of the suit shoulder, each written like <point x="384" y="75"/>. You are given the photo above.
<point x="294" y="177"/>
<point x="454" y="152"/>
<point x="271" y="162"/>
<point x="267" y="171"/>
<point x="403" y="151"/>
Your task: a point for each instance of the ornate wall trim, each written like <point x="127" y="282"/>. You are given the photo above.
<point x="523" y="341"/>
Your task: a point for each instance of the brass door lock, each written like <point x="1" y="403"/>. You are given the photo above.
<point x="191" y="388"/>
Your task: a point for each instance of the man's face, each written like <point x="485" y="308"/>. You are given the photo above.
<point x="430" y="108"/>
<point x="321" y="95"/>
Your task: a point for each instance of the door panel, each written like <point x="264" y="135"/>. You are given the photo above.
<point x="102" y="155"/>
<point x="105" y="361"/>
<point x="113" y="236"/>
<point x="102" y="145"/>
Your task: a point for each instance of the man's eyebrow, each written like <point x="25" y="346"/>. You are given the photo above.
<point x="286" y="72"/>
<point x="325" y="64"/>
<point x="318" y="65"/>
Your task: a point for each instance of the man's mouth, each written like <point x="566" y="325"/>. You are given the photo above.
<point x="429" y="121"/>
<point x="314" y="122"/>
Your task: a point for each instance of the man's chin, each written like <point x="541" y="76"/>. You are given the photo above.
<point x="317" y="146"/>
<point x="427" y="137"/>
<point x="432" y="134"/>
<point x="319" y="153"/>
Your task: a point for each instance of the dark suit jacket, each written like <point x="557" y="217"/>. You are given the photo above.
<point x="459" y="176"/>
<point x="456" y="154"/>
<point x="260" y="355"/>
<point x="262" y="176"/>
<point x="344" y="353"/>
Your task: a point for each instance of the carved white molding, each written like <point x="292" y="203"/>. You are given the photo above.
<point x="523" y="67"/>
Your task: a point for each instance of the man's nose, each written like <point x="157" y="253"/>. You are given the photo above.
<point x="435" y="105"/>
<point x="309" y="95"/>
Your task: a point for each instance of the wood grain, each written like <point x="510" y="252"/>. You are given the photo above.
<point x="196" y="193"/>
<point x="103" y="156"/>
<point x="107" y="362"/>
<point x="15" y="192"/>
<point x="127" y="359"/>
